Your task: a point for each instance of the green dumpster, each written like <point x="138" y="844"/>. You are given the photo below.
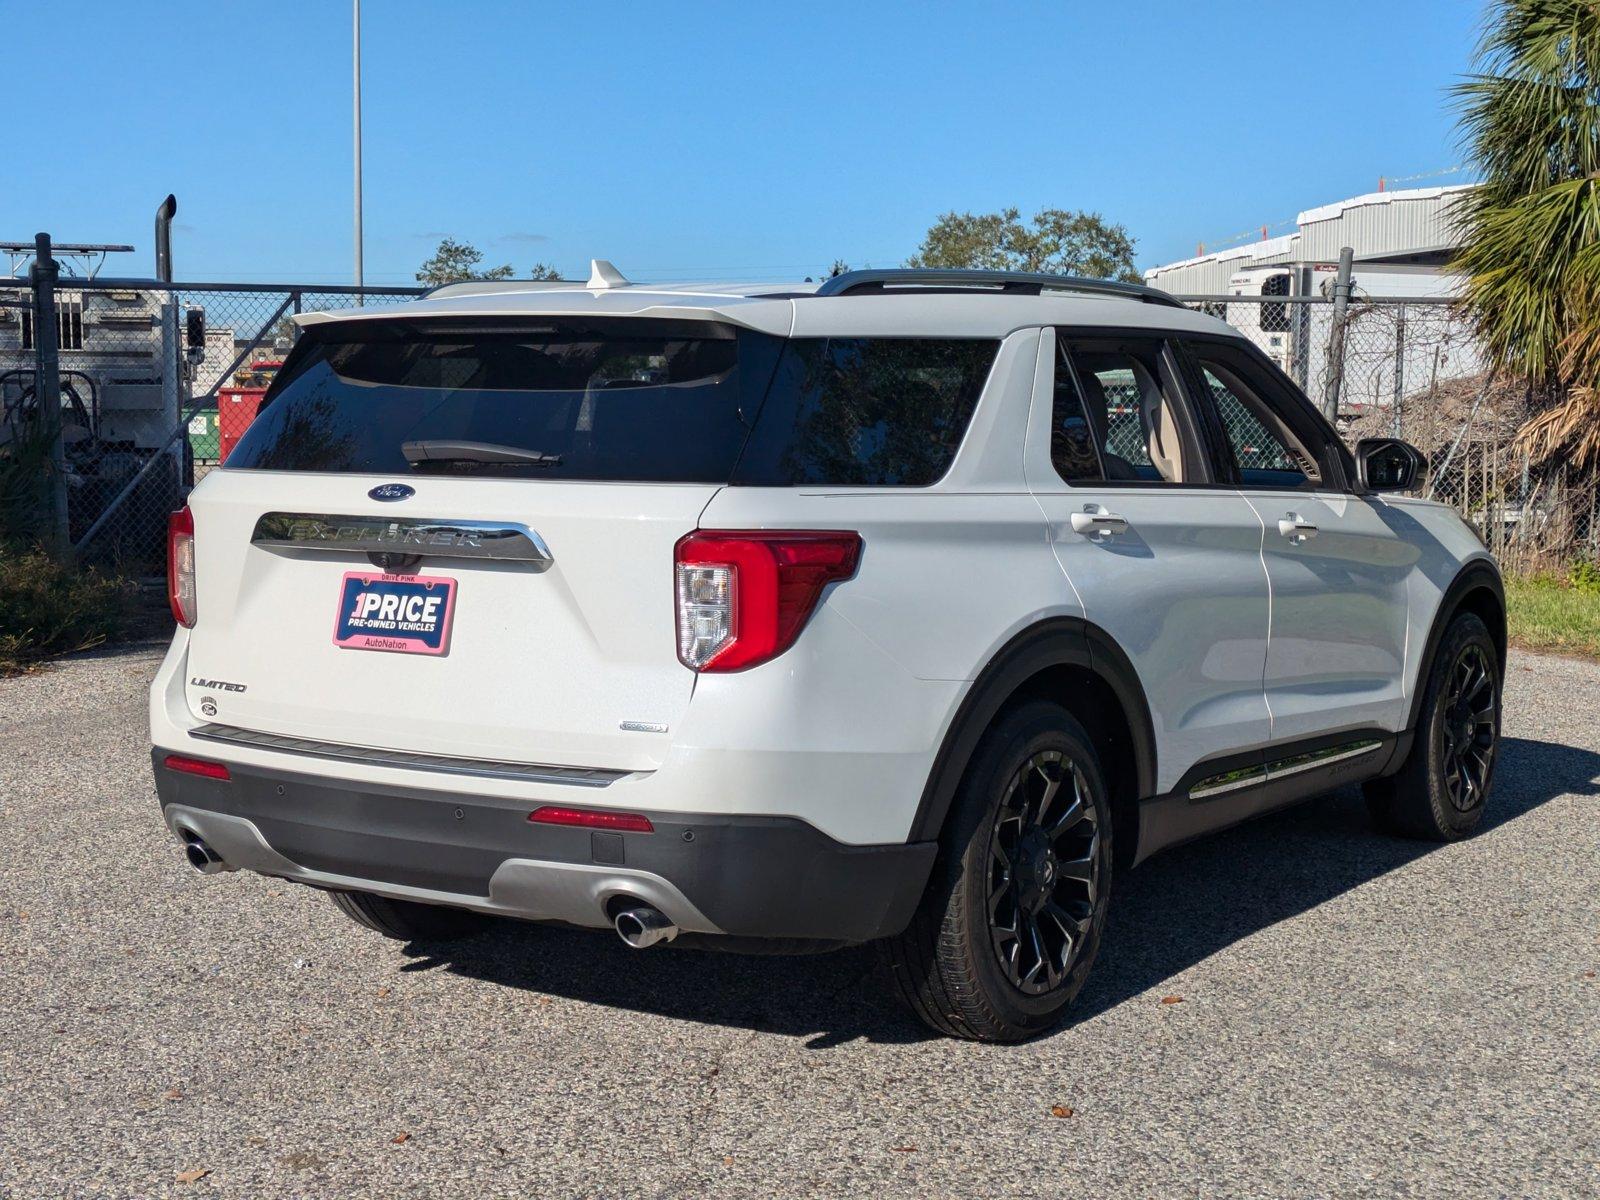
<point x="203" y="436"/>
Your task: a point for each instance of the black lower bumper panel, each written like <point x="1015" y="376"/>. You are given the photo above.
<point x="752" y="876"/>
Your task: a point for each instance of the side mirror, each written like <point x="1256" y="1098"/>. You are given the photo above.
<point x="1389" y="465"/>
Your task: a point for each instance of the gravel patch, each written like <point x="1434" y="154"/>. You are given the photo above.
<point x="1360" y="1016"/>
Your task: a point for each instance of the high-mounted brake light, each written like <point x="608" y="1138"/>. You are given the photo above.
<point x="591" y="818"/>
<point x="745" y="595"/>
<point x="180" y="566"/>
<point x="196" y="766"/>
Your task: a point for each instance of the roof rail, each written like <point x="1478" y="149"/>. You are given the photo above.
<point x="1026" y="283"/>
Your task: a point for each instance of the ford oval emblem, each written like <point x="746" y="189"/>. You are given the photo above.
<point x="393" y="491"/>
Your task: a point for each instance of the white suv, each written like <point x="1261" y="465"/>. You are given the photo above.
<point x="907" y="606"/>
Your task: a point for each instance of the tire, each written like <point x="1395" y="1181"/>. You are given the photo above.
<point x="965" y="977"/>
<point x="406" y="920"/>
<point x="1441" y="790"/>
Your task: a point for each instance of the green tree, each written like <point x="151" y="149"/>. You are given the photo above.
<point x="457" y="262"/>
<point x="1054" y="241"/>
<point x="1531" y="232"/>
<point x="544" y="271"/>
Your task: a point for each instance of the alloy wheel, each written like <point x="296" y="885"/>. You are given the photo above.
<point x="1044" y="872"/>
<point x="1470" y="728"/>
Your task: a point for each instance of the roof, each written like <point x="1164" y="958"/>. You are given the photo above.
<point x="1338" y="208"/>
<point x="1385" y="225"/>
<point x="787" y="309"/>
<point x="1256" y="251"/>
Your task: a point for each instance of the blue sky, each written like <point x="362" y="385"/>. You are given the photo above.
<point x="705" y="140"/>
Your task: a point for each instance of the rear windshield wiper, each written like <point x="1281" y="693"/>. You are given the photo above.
<point x="444" y="450"/>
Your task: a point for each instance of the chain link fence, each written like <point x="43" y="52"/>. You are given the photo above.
<point x="156" y="383"/>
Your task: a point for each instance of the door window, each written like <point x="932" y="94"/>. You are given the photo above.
<point x="1263" y="450"/>
<point x="1118" y="415"/>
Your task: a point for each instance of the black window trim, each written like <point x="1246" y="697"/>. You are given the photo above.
<point x="1199" y="472"/>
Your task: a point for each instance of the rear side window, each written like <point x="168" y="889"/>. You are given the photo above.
<point x="867" y="412"/>
<point x="666" y="401"/>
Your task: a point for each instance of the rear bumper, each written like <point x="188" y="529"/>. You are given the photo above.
<point x="747" y="876"/>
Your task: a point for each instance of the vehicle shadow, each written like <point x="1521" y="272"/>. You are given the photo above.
<point x="1180" y="908"/>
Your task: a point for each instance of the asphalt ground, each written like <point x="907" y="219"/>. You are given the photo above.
<point x="1356" y="1016"/>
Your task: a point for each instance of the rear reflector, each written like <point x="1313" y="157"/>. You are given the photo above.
<point x="591" y="818"/>
<point x="196" y="766"/>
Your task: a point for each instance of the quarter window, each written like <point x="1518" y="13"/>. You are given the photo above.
<point x="1074" y="449"/>
<point x="866" y="412"/>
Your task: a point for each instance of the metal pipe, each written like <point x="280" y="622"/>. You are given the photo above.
<point x="644" y="926"/>
<point x="360" y="274"/>
<point x="202" y="857"/>
<point x="164" y="214"/>
<point x="1342" y="287"/>
<point x="47" y="385"/>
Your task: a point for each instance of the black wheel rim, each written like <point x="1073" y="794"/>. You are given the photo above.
<point x="1471" y="726"/>
<point x="1044" y="872"/>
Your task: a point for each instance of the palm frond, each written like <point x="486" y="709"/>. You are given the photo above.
<point x="1531" y="232"/>
<point x="1570" y="430"/>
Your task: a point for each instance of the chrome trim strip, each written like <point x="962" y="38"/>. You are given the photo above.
<point x="1228" y="781"/>
<point x="1297" y="763"/>
<point x="1243" y="777"/>
<point x="593" y="777"/>
<point x="326" y="533"/>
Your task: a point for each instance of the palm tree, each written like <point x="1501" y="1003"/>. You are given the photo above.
<point x="1531" y="115"/>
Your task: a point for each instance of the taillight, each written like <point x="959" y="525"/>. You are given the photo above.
<point x="180" y="566"/>
<point x="743" y="597"/>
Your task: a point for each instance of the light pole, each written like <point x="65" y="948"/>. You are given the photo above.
<point x="360" y="279"/>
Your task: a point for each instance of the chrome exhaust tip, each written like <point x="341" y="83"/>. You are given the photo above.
<point x="202" y="857"/>
<point x="644" y="926"/>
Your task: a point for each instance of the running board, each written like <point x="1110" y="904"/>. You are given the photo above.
<point x="1259" y="773"/>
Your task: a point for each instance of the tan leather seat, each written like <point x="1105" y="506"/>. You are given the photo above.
<point x="1160" y="428"/>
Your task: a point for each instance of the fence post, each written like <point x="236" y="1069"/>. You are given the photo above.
<point x="1341" y="307"/>
<point x="1399" y="368"/>
<point x="47" y="384"/>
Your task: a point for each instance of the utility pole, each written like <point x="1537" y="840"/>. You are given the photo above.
<point x="360" y="274"/>
<point x="47" y="385"/>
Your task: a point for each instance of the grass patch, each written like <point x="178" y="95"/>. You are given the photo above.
<point x="48" y="609"/>
<point x="1552" y="614"/>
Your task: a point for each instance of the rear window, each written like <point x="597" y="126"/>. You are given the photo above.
<point x="626" y="400"/>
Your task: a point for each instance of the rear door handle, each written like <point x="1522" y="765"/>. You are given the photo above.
<point x="1095" y="520"/>
<point x="1296" y="528"/>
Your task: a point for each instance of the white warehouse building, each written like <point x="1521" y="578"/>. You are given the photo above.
<point x="1403" y="242"/>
